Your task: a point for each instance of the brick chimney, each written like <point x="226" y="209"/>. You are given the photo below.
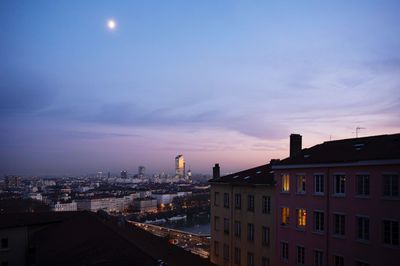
<point x="216" y="173"/>
<point x="295" y="144"/>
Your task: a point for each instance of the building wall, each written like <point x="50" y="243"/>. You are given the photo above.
<point x="245" y="217"/>
<point x="375" y="206"/>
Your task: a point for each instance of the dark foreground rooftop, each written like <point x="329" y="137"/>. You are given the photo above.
<point x="261" y="175"/>
<point x="84" y="238"/>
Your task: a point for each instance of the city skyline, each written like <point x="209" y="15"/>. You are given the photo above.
<point x="219" y="82"/>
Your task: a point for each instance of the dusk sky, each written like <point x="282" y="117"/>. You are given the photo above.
<point x="217" y="81"/>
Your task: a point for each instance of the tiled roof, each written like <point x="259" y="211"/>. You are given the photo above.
<point x="382" y="147"/>
<point x="261" y="175"/>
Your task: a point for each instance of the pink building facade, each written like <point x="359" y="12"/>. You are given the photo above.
<point x="338" y="203"/>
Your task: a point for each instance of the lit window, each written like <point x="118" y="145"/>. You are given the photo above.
<point x="339" y="184"/>
<point x="362" y="185"/>
<point x="285" y="216"/>
<point x="301" y="218"/>
<point x="285" y="183"/>
<point x="391" y="232"/>
<point x="301" y="184"/>
<point x="319" y="184"/>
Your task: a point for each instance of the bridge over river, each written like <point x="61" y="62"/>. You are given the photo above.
<point x="195" y="243"/>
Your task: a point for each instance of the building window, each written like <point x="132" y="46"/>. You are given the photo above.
<point x="285" y="251"/>
<point x="339" y="184"/>
<point x="4" y="263"/>
<point x="225" y="252"/>
<point x="318" y="258"/>
<point x="216" y="248"/>
<point x="285" y="183"/>
<point x="362" y="185"/>
<point x="250" y="203"/>
<point x="266" y="204"/>
<point x="319" y="184"/>
<point x="250" y="259"/>
<point x="237" y="256"/>
<point x="285" y="216"/>
<point x="226" y="226"/>
<point x="216" y="223"/>
<point x="226" y="200"/>
<point x="301" y="184"/>
<point x="362" y="228"/>
<point x="265" y="261"/>
<point x="300" y="255"/>
<point x="361" y="263"/>
<point x="319" y="221"/>
<point x="301" y="218"/>
<point x="237" y="229"/>
<point x="338" y="261"/>
<point x="250" y="232"/>
<point x="265" y="236"/>
<point x="391" y="232"/>
<point x="339" y="224"/>
<point x="4" y="243"/>
<point x="391" y="185"/>
<point x="238" y="201"/>
<point x="216" y="199"/>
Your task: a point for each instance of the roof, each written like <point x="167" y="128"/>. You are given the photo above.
<point x="375" y="148"/>
<point x="260" y="175"/>
<point x="86" y="238"/>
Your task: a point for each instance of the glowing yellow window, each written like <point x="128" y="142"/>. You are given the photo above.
<point x="301" y="218"/>
<point x="285" y="183"/>
<point x="285" y="216"/>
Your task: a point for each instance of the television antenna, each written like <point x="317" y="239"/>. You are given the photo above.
<point x="358" y="130"/>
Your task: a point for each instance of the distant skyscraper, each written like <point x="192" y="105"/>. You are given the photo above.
<point x="180" y="166"/>
<point x="109" y="175"/>
<point x="124" y="174"/>
<point x="141" y="171"/>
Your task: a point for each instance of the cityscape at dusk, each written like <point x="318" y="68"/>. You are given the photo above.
<point x="201" y="133"/>
<point x="217" y="81"/>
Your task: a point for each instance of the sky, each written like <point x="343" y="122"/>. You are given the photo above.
<point x="217" y="81"/>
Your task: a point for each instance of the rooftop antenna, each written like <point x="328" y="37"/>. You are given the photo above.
<point x="358" y="130"/>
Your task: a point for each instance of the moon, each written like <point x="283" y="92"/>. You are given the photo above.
<point x="111" y="24"/>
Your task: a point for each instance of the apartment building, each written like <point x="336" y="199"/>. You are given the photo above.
<point x="242" y="217"/>
<point x="338" y="203"/>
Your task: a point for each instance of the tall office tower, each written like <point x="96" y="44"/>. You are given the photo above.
<point x="124" y="174"/>
<point x="109" y="175"/>
<point x="179" y="166"/>
<point x="141" y="171"/>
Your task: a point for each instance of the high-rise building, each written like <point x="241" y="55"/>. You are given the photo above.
<point x="124" y="174"/>
<point x="180" y="166"/>
<point x="141" y="171"/>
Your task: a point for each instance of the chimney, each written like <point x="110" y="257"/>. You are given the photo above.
<point x="216" y="173"/>
<point x="295" y="144"/>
